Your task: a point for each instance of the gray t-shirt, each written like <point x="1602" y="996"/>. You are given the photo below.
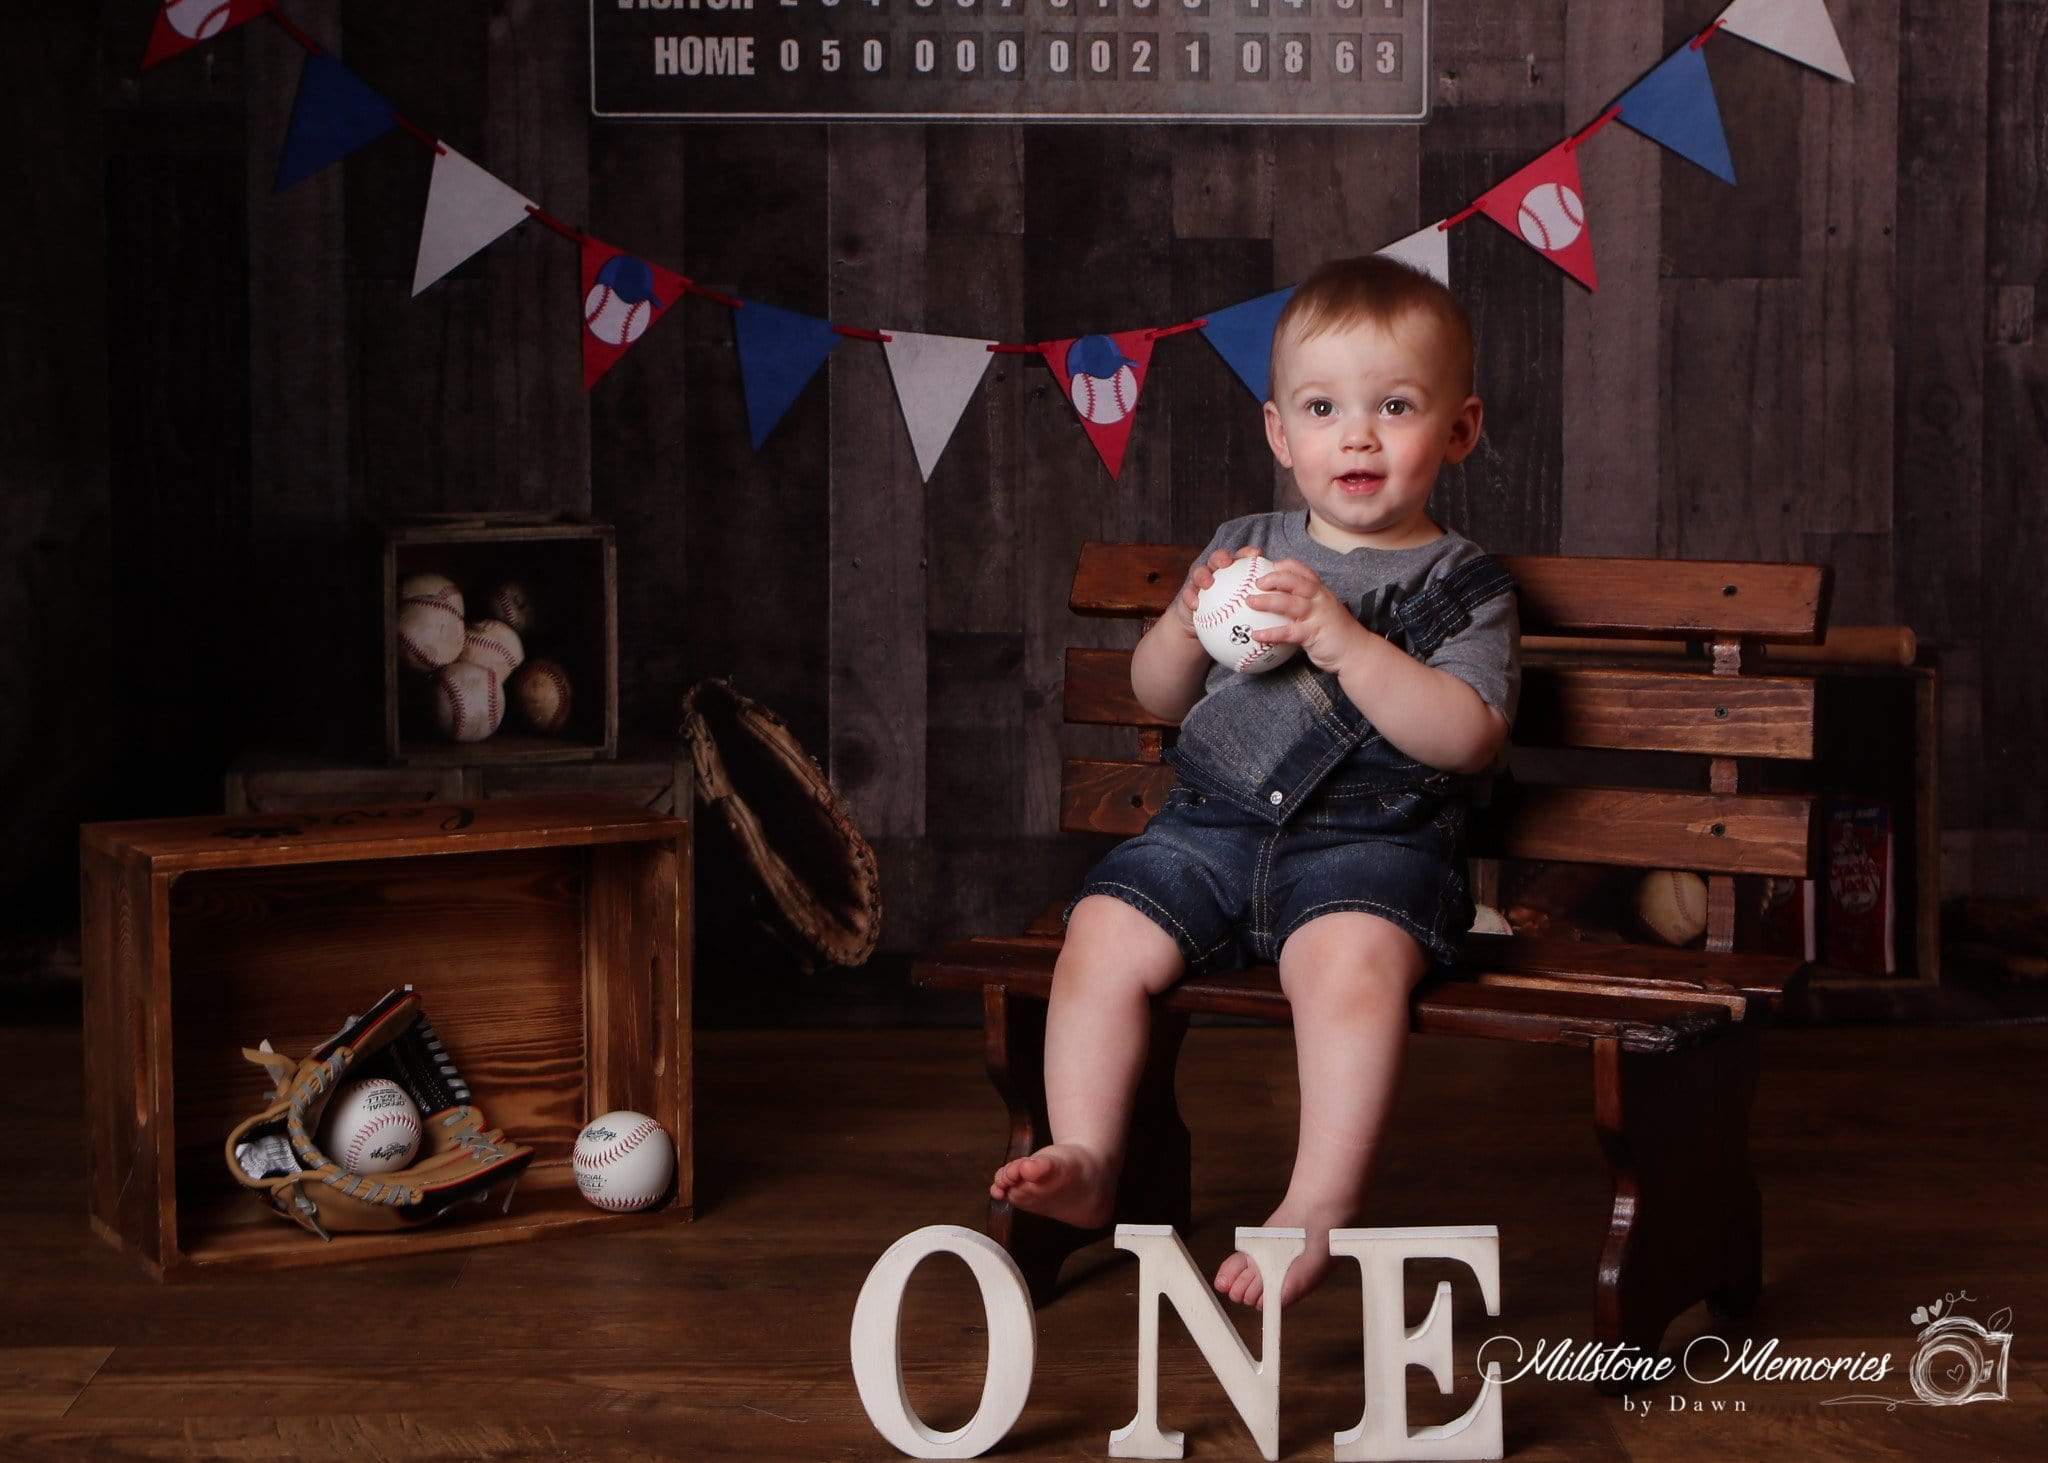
<point x="1450" y="585"/>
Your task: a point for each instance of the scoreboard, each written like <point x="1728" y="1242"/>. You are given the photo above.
<point x="1010" y="60"/>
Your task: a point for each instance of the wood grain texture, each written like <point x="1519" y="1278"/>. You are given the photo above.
<point x="875" y="669"/>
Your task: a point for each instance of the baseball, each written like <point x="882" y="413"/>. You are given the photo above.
<point x="437" y="587"/>
<point x="1551" y="216"/>
<point x="511" y="603"/>
<point x="1672" y="905"/>
<point x="540" y="689"/>
<point x="469" y="702"/>
<point x="623" y="1161"/>
<point x="613" y="320"/>
<point x="495" y="646"/>
<point x="1105" y="399"/>
<point x="1224" y="623"/>
<point x="197" y="20"/>
<point x="371" y="1127"/>
<point x="430" y="634"/>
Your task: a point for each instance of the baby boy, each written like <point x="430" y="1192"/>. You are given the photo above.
<point x="1320" y="806"/>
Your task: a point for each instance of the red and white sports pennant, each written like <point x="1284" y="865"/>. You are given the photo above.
<point x="1102" y="376"/>
<point x="1544" y="205"/>
<point x="183" y="24"/>
<point x="622" y="295"/>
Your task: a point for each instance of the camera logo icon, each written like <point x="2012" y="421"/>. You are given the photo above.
<point x="1960" y="1360"/>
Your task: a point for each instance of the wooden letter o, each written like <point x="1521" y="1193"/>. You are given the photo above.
<point x="1012" y="1343"/>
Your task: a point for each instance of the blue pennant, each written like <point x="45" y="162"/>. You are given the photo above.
<point x="780" y="350"/>
<point x="1675" y="105"/>
<point x="1243" y="336"/>
<point x="335" y="114"/>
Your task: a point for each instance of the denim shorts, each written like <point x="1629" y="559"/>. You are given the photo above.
<point x="1230" y="888"/>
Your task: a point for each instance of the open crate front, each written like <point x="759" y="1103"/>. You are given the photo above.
<point x="547" y="953"/>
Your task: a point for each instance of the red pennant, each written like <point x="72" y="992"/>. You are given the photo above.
<point x="622" y="296"/>
<point x="183" y="24"/>
<point x="1102" y="376"/>
<point x="1544" y="205"/>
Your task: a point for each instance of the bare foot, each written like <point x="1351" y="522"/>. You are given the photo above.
<point x="1238" y="1277"/>
<point x="1062" y="1181"/>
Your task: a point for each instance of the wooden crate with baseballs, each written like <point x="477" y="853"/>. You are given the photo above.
<point x="546" y="936"/>
<point x="500" y="639"/>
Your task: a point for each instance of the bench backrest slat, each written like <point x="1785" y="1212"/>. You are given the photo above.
<point x="1721" y="833"/>
<point x="1641" y="710"/>
<point x="1651" y="599"/>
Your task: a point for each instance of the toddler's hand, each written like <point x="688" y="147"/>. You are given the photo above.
<point x="1201" y="575"/>
<point x="1322" y="624"/>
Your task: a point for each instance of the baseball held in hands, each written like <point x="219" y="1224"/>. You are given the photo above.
<point x="1224" y="622"/>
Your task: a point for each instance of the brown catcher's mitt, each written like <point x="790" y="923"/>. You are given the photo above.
<point x="791" y="828"/>
<point x="275" y="1154"/>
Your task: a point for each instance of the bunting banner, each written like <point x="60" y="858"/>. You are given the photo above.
<point x="467" y="210"/>
<point x="935" y="377"/>
<point x="622" y="296"/>
<point x="183" y="24"/>
<point x="1796" y="28"/>
<point x="1544" y="206"/>
<point x="780" y="350"/>
<point x="335" y="114"/>
<point x="1102" y="376"/>
<point x="1674" y="105"/>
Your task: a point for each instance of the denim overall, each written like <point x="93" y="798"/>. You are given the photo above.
<point x="1290" y="805"/>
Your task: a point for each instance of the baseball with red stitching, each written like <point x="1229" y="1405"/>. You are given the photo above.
<point x="540" y="689"/>
<point x="1672" y="904"/>
<point x="495" y="646"/>
<point x="512" y="603"/>
<point x="1224" y="622"/>
<point x="623" y="1161"/>
<point x="430" y="633"/>
<point x="371" y="1126"/>
<point x="431" y="586"/>
<point x="469" y="701"/>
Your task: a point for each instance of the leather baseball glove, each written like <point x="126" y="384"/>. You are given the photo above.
<point x="275" y="1154"/>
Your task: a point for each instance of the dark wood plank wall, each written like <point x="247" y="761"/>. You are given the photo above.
<point x="1836" y="360"/>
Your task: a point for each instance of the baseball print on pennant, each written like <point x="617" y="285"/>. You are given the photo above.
<point x="1544" y="205"/>
<point x="183" y="24"/>
<point x="622" y="296"/>
<point x="1102" y="376"/>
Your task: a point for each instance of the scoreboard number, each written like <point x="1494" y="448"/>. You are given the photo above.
<point x="1319" y="61"/>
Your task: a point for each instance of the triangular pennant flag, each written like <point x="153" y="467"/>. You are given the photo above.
<point x="1544" y="205"/>
<point x="336" y="113"/>
<point x="183" y="24"/>
<point x="1243" y="336"/>
<point x="1427" y="249"/>
<point x="1102" y="376"/>
<point x="935" y="376"/>
<point x="622" y="296"/>
<point x="780" y="350"/>
<point x="467" y="208"/>
<point x="1675" y="105"/>
<point x="1796" y="28"/>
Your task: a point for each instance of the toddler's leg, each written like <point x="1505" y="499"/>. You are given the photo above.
<point x="1096" y="1031"/>
<point x="1347" y="977"/>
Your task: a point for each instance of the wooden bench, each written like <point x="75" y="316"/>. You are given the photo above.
<point x="1673" y="1033"/>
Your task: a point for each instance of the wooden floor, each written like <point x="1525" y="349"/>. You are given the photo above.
<point x="1897" y="1164"/>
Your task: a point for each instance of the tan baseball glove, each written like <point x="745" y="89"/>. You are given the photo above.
<point x="460" y="1164"/>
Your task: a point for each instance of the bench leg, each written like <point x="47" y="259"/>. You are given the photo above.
<point x="1688" y="1218"/>
<point x="1155" y="1187"/>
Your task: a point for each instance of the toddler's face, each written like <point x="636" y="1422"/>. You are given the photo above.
<point x="1365" y="417"/>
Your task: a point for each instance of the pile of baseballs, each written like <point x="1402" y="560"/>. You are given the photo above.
<point x="477" y="665"/>
<point x="623" y="1161"/>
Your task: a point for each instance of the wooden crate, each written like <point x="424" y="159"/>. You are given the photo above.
<point x="571" y="565"/>
<point x="547" y="937"/>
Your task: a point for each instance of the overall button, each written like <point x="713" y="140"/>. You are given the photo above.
<point x="1275" y="798"/>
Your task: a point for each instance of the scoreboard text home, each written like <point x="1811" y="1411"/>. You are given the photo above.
<point x="1010" y="60"/>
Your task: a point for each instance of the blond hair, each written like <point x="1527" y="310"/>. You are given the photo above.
<point x="1373" y="289"/>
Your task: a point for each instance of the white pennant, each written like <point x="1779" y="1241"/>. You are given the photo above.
<point x="467" y="208"/>
<point x="1796" y="28"/>
<point x="935" y="375"/>
<point x="1427" y="249"/>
